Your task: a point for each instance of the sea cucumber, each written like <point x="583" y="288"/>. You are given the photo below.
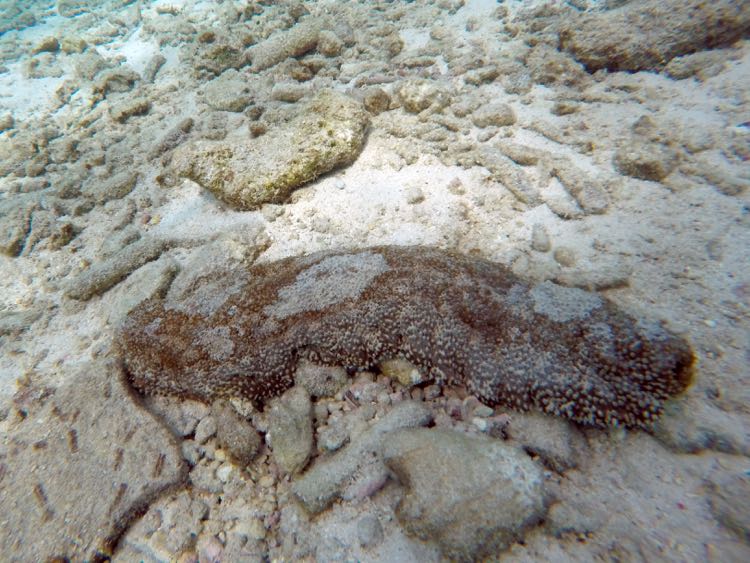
<point x="461" y="320"/>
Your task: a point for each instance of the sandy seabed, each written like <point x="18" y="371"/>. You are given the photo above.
<point x="494" y="129"/>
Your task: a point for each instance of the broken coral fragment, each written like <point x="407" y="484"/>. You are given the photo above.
<point x="459" y="319"/>
<point x="329" y="133"/>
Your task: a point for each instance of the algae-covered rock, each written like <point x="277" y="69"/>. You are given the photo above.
<point x="647" y="34"/>
<point x="472" y="495"/>
<point x="328" y="133"/>
<point x="15" y="223"/>
<point x="79" y="467"/>
<point x="228" y="92"/>
<point x="294" y="42"/>
<point x="645" y="160"/>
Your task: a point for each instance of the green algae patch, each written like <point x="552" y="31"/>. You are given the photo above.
<point x="328" y="134"/>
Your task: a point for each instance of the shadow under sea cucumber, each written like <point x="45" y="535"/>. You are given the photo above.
<point x="459" y="319"/>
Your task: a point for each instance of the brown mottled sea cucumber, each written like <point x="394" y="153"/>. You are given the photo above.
<point x="460" y="320"/>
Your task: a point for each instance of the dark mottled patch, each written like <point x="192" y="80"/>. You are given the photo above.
<point x="461" y="320"/>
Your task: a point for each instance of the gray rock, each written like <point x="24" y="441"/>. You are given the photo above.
<point x="647" y="34"/>
<point x="288" y="92"/>
<point x="290" y="429"/>
<point x="730" y="503"/>
<point x="376" y="100"/>
<point x="71" y="8"/>
<point x="228" y="92"/>
<point x="369" y="531"/>
<point x="540" y="239"/>
<point x="702" y="65"/>
<point x="508" y="173"/>
<point x="590" y="197"/>
<point x="494" y="114"/>
<point x="174" y="137"/>
<point x="103" y="276"/>
<point x="565" y="256"/>
<point x="472" y="495"/>
<point x="15" y="222"/>
<point x="15" y="322"/>
<point x="319" y="380"/>
<point x="610" y="273"/>
<point x="170" y="526"/>
<point x="152" y="280"/>
<point x="296" y="41"/>
<point x="522" y="154"/>
<point x="153" y="66"/>
<point x="6" y="121"/>
<point x="329" y="43"/>
<point x="131" y="107"/>
<point x="417" y="95"/>
<point x="206" y="429"/>
<point x="645" y="160"/>
<point x="548" y="66"/>
<point x="203" y="476"/>
<point x="332" y="437"/>
<point x="88" y="64"/>
<point x="235" y="434"/>
<point x="555" y="441"/>
<point x="47" y="231"/>
<point x="180" y="416"/>
<point x="117" y="80"/>
<point x="80" y="467"/>
<point x="690" y="426"/>
<point x="324" y="481"/>
<point x="328" y="133"/>
<point x="217" y="58"/>
<point x="104" y="188"/>
<point x="575" y="518"/>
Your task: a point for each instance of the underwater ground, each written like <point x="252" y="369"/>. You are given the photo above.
<point x="171" y="152"/>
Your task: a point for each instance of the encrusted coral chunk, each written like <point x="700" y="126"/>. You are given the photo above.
<point x="459" y="319"/>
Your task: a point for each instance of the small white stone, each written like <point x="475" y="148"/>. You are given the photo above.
<point x="414" y="195"/>
<point x="224" y="472"/>
<point x="480" y="423"/>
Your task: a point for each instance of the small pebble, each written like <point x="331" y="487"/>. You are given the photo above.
<point x="267" y="481"/>
<point x="369" y="531"/>
<point x="332" y="438"/>
<point x="456" y="187"/>
<point x="190" y="452"/>
<point x="480" y="423"/>
<point x="564" y="256"/>
<point x="414" y="195"/>
<point x="483" y="411"/>
<point x="540" y="239"/>
<point x="206" y="429"/>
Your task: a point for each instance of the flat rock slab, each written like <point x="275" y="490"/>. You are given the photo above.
<point x="328" y="133"/>
<point x="80" y="467"/>
<point x="647" y="34"/>
<point x="472" y="495"/>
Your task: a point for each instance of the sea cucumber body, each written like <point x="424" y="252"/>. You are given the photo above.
<point x="459" y="319"/>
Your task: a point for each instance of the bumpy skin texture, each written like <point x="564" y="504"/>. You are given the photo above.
<point x="461" y="320"/>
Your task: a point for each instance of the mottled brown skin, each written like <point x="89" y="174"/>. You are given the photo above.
<point x="461" y="320"/>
